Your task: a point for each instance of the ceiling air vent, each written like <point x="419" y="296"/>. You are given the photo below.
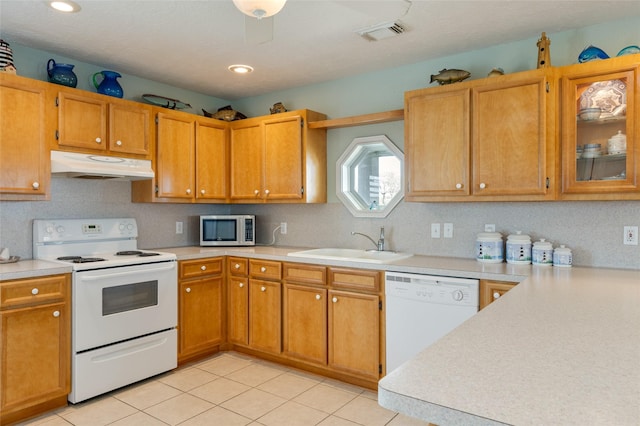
<point x="381" y="31"/>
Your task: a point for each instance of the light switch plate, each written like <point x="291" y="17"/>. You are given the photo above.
<point x="630" y="235"/>
<point x="435" y="230"/>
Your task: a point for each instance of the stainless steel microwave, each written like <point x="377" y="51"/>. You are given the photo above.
<point x="227" y="230"/>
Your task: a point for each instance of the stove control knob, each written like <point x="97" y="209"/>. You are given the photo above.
<point x="35" y="291"/>
<point x="121" y="226"/>
<point x="60" y="229"/>
<point x="457" y="295"/>
<point x="49" y="229"/>
<point x="130" y="227"/>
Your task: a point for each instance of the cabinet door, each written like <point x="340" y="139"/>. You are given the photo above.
<point x="176" y="159"/>
<point x="247" y="156"/>
<point x="35" y="354"/>
<point x="510" y="136"/>
<point x="212" y="174"/>
<point x="82" y="122"/>
<point x="129" y="129"/>
<point x="305" y="323"/>
<point x="200" y="322"/>
<point x="493" y="290"/>
<point x="238" y="309"/>
<point x="592" y="162"/>
<point x="437" y="143"/>
<point x="25" y="163"/>
<point x="354" y="333"/>
<point x="283" y="159"/>
<point x="265" y="315"/>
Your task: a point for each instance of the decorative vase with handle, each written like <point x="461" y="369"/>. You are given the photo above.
<point x="61" y="74"/>
<point x="109" y="85"/>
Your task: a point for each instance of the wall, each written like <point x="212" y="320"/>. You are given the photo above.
<point x="593" y="230"/>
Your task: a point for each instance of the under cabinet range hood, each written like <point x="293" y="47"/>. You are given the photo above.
<point x="90" y="166"/>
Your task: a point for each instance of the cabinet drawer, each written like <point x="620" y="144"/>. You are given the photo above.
<point x="265" y="269"/>
<point x="200" y="267"/>
<point x="33" y="291"/>
<point x="493" y="290"/>
<point x="355" y="279"/>
<point x="307" y="274"/>
<point x="238" y="266"/>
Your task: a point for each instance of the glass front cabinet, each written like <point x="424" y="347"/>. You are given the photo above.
<point x="600" y="129"/>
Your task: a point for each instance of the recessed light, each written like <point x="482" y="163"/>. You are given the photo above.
<point x="240" y="69"/>
<point x="66" y="6"/>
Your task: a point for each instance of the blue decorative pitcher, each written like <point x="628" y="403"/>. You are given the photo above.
<point x="61" y="74"/>
<point x="109" y="85"/>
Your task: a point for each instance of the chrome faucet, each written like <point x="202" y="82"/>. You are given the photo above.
<point x="380" y="244"/>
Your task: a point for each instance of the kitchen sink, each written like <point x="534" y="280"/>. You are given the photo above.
<point x="354" y="255"/>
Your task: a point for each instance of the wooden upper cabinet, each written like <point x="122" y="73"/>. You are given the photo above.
<point x="437" y="143"/>
<point x="175" y="155"/>
<point x="90" y="122"/>
<point x="283" y="158"/>
<point x="278" y="159"/>
<point x="212" y="158"/>
<point x="607" y="172"/>
<point x="25" y="129"/>
<point x="512" y="137"/>
<point x="490" y="139"/>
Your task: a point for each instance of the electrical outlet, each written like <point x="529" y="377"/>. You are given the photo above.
<point x="283" y="227"/>
<point x="448" y="230"/>
<point x="630" y="235"/>
<point x="179" y="227"/>
<point x="489" y="227"/>
<point x="435" y="230"/>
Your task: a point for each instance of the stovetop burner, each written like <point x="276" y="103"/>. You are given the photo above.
<point x="136" y="253"/>
<point x="80" y="259"/>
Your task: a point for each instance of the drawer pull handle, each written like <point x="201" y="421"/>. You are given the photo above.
<point x="203" y="268"/>
<point x="35" y="291"/>
<point x="241" y="285"/>
<point x="334" y="300"/>
<point x="496" y="295"/>
<point x="266" y="191"/>
<point x="263" y="269"/>
<point x="256" y="192"/>
<point x="318" y="297"/>
<point x="188" y="290"/>
<point x="56" y="314"/>
<point x="35" y="185"/>
<point x="188" y="191"/>
<point x="98" y="140"/>
<point x="458" y="186"/>
<point x="263" y="288"/>
<point x="237" y="266"/>
<point x="483" y="185"/>
<point x="119" y="143"/>
<point x="202" y="191"/>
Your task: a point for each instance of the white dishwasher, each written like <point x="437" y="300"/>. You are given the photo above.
<point x="423" y="308"/>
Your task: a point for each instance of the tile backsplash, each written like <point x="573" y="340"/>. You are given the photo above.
<point x="593" y="230"/>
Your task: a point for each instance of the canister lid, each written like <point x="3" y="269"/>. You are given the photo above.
<point x="619" y="137"/>
<point x="489" y="236"/>
<point x="519" y="237"/>
<point x="562" y="250"/>
<point x="542" y="245"/>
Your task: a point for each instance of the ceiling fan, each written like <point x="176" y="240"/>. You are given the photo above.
<point x="258" y="22"/>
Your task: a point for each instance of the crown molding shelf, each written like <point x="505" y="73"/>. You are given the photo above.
<point x="359" y="120"/>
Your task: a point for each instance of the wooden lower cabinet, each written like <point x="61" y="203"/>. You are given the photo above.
<point x="35" y="346"/>
<point x="354" y="333"/>
<point x="493" y="290"/>
<point x="200" y="308"/>
<point x="265" y="315"/>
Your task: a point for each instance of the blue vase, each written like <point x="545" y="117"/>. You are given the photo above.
<point x="61" y="74"/>
<point x="109" y="85"/>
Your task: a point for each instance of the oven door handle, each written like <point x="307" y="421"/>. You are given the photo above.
<point x="129" y="273"/>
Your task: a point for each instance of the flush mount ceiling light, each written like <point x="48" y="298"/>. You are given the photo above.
<point x="259" y="8"/>
<point x="240" y="69"/>
<point x="65" y="6"/>
<point x="382" y="31"/>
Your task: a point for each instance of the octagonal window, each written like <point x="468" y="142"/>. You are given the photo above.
<point x="370" y="176"/>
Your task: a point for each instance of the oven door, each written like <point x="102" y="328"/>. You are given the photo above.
<point x="116" y="304"/>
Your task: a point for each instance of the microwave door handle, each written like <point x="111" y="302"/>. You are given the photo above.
<point x="120" y="274"/>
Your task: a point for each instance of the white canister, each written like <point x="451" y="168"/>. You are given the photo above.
<point x="542" y="253"/>
<point x="519" y="248"/>
<point x="489" y="247"/>
<point x="562" y="256"/>
<point x="617" y="144"/>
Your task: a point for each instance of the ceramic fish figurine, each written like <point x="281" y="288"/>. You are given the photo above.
<point x="495" y="72"/>
<point x="629" y="50"/>
<point x="278" y="107"/>
<point x="446" y="76"/>
<point x="590" y="53"/>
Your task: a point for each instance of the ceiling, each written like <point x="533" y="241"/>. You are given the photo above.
<point x="189" y="44"/>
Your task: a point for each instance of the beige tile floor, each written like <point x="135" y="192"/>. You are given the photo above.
<point x="231" y="389"/>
